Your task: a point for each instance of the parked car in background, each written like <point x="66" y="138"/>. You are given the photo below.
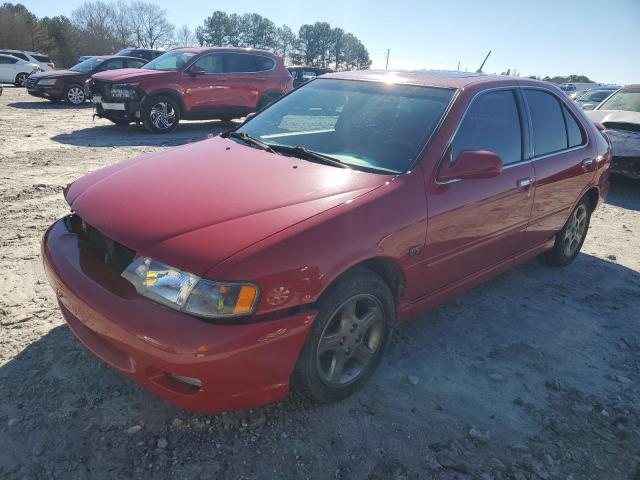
<point x="191" y="83"/>
<point x="219" y="273"/>
<point x="145" y="53"/>
<point x="568" y="88"/>
<point x="592" y="98"/>
<point x="16" y="71"/>
<point x="302" y="75"/>
<point x="68" y="85"/>
<point x="40" y="59"/>
<point x="619" y="114"/>
<point x="85" y="57"/>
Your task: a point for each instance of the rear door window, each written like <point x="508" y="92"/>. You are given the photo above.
<point x="42" y="58"/>
<point x="492" y="123"/>
<point x="113" y="64"/>
<point x="135" y="63"/>
<point x="549" y="132"/>
<point x="263" y="64"/>
<point x="239" y="63"/>
<point x="7" y="60"/>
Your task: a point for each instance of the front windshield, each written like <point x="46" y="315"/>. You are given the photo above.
<point x="363" y="124"/>
<point x="125" y="53"/>
<point x="88" y="65"/>
<point x="625" y="100"/>
<point x="169" y="61"/>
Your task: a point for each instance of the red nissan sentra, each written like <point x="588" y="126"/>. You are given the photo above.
<point x="220" y="273"/>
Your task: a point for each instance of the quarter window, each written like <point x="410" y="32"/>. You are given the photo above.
<point x="575" y="134"/>
<point x="492" y="123"/>
<point x="264" y="63"/>
<point x="549" y="132"/>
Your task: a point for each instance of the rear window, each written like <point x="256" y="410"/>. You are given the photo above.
<point x="42" y="58"/>
<point x="549" y="134"/>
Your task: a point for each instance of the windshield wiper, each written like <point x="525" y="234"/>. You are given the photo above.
<point x="248" y="139"/>
<point x="303" y="152"/>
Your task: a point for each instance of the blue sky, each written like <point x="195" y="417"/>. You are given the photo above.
<point x="599" y="39"/>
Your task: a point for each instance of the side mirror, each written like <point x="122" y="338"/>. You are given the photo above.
<point x="472" y="164"/>
<point x="196" y="70"/>
<point x="249" y="116"/>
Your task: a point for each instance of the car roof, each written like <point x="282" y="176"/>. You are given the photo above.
<point x="433" y="78"/>
<point x="107" y="57"/>
<point x="199" y="50"/>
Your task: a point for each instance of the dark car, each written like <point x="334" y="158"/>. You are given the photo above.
<point x="68" y="85"/>
<point x="144" y="53"/>
<point x="302" y="75"/>
<point x="191" y="83"/>
<point x="219" y="273"/>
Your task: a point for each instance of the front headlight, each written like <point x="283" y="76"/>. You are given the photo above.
<point x="189" y="293"/>
<point x="123" y="91"/>
<point x="47" y="82"/>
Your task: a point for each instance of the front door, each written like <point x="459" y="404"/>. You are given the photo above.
<point x="206" y="92"/>
<point x="474" y="224"/>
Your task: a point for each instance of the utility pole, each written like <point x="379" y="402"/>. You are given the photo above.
<point x="387" y="65"/>
<point x="458" y="66"/>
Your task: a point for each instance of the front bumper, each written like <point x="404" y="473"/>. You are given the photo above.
<point x="44" y="92"/>
<point x="239" y="366"/>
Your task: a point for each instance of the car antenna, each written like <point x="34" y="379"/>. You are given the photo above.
<point x="483" y="62"/>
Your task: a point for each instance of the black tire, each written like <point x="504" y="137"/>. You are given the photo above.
<point x="21" y="79"/>
<point x="333" y="332"/>
<point x="570" y="239"/>
<point x="160" y="114"/>
<point x="74" y="95"/>
<point x="267" y="99"/>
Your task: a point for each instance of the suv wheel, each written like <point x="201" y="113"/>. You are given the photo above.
<point x="74" y="95"/>
<point x="21" y="79"/>
<point x="569" y="240"/>
<point x="347" y="340"/>
<point x="160" y="114"/>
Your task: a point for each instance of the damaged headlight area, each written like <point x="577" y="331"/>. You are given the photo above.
<point x="188" y="293"/>
<point x="124" y="91"/>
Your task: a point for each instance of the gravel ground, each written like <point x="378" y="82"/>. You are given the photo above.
<point x="531" y="376"/>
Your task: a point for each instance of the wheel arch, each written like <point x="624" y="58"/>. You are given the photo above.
<point x="593" y="194"/>
<point x="173" y="94"/>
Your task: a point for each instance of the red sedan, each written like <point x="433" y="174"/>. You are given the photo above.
<point x="220" y="273"/>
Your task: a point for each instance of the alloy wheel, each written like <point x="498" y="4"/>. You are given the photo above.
<point x="575" y="231"/>
<point x="350" y="340"/>
<point x="22" y="79"/>
<point x="75" y="95"/>
<point x="163" y="115"/>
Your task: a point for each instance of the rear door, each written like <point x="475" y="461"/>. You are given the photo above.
<point x="247" y="79"/>
<point x="563" y="161"/>
<point x="475" y="224"/>
<point x="8" y="69"/>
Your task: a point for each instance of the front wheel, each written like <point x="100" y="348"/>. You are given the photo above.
<point x="160" y="114"/>
<point x="74" y="95"/>
<point x="21" y="79"/>
<point x="569" y="240"/>
<point x="267" y="100"/>
<point x="348" y="338"/>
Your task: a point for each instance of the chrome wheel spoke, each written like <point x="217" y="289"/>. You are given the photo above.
<point x="363" y="354"/>
<point x="330" y="343"/>
<point x="336" y="368"/>
<point x="373" y="316"/>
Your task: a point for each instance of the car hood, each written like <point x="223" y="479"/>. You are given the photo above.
<point x="617" y="116"/>
<point x="57" y="74"/>
<point x="129" y="75"/>
<point x="196" y="205"/>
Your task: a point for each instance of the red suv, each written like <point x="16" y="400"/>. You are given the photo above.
<point x="219" y="273"/>
<point x="190" y="83"/>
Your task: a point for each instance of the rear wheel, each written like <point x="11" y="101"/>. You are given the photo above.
<point x="348" y="338"/>
<point x="569" y="240"/>
<point x="160" y="114"/>
<point x="74" y="95"/>
<point x="21" y="79"/>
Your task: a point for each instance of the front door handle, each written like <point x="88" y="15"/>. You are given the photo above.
<point x="586" y="164"/>
<point x="524" y="184"/>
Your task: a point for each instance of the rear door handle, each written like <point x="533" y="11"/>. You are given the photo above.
<point x="586" y="164"/>
<point x="524" y="184"/>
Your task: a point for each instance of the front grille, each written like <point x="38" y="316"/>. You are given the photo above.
<point x="101" y="88"/>
<point x="114" y="255"/>
<point x="31" y="82"/>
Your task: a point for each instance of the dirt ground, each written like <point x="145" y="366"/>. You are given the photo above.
<point x="534" y="375"/>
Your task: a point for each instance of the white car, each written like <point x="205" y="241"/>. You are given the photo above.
<point x="40" y="59"/>
<point x="16" y="71"/>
